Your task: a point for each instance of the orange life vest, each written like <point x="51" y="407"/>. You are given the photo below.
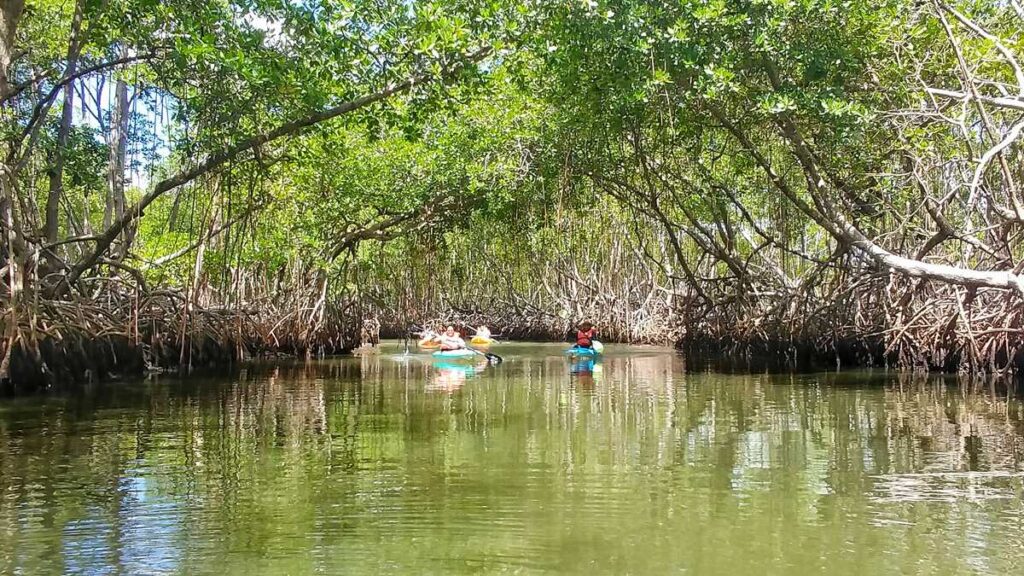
<point x="585" y="339"/>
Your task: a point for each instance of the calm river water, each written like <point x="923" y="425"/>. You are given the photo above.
<point x="385" y="464"/>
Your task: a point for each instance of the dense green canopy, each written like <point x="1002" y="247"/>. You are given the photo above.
<point x="774" y="170"/>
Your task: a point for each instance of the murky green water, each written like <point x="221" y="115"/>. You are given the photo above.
<point x="379" y="465"/>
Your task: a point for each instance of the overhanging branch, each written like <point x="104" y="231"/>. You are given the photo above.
<point x="1009" y="103"/>
<point x="218" y="159"/>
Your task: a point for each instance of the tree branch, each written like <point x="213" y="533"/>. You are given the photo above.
<point x="843" y="231"/>
<point x="1010" y="57"/>
<point x="219" y="158"/>
<point x="1010" y="103"/>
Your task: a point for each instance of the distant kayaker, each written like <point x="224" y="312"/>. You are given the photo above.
<point x="429" y="338"/>
<point x="483" y="332"/>
<point x="451" y="340"/>
<point x="585" y="335"/>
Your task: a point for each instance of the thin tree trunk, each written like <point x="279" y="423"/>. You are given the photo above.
<point x="10" y="13"/>
<point x="172" y="219"/>
<point x="193" y="291"/>
<point x="118" y="143"/>
<point x="56" y="172"/>
<point x="14" y="274"/>
<point x="122" y="117"/>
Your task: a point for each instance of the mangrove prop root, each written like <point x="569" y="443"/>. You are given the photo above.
<point x="125" y="332"/>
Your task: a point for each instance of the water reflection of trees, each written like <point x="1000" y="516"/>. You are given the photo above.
<point x="280" y="453"/>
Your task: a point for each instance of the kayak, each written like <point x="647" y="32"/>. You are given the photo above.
<point x="577" y="351"/>
<point x="462" y="354"/>
<point x="586" y="352"/>
<point x="428" y="344"/>
<point x="481" y="341"/>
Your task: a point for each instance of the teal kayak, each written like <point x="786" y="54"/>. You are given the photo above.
<point x="462" y="354"/>
<point x="577" y="351"/>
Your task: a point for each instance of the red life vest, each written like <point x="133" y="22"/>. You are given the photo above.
<point x="585" y="339"/>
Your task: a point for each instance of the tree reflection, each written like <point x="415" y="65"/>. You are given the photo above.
<point x="361" y="458"/>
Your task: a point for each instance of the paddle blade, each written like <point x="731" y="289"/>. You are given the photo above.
<point x="492" y="358"/>
<point x="598" y="347"/>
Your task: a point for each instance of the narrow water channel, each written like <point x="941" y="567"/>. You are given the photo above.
<point x="383" y="463"/>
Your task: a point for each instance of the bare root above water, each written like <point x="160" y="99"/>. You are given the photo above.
<point x="124" y="330"/>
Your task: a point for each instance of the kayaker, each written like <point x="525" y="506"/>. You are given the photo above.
<point x="451" y="340"/>
<point x="483" y="332"/>
<point x="428" y="336"/>
<point x="585" y="334"/>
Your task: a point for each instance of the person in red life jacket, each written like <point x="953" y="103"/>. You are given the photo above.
<point x="585" y="335"/>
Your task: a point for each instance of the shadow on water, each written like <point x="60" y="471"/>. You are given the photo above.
<point x="391" y="463"/>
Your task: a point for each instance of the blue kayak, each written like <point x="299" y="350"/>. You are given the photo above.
<point x="577" y="351"/>
<point x="462" y="354"/>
